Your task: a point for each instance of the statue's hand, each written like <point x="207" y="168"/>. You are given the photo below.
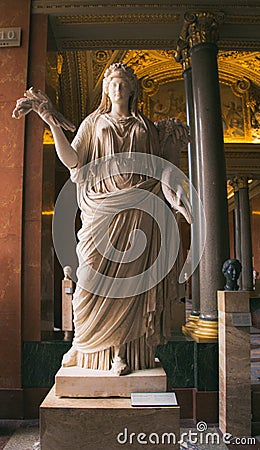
<point x="36" y="100"/>
<point x="175" y="200"/>
<point x="179" y="199"/>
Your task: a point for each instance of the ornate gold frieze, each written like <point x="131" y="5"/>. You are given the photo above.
<point x="152" y="63"/>
<point x="117" y="18"/>
<point x="53" y="5"/>
<point x="162" y="91"/>
<point x="243" y="19"/>
<point x="115" y="43"/>
<point x="238" y="44"/>
<point x="237" y="65"/>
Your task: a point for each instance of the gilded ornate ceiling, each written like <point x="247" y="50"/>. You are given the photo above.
<point x="87" y="36"/>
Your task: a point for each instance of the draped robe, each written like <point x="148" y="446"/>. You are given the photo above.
<point x="102" y="322"/>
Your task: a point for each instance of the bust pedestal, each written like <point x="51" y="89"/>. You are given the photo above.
<point x="234" y="363"/>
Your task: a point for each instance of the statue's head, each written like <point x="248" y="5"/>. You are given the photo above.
<point x="231" y="270"/>
<point x="119" y="70"/>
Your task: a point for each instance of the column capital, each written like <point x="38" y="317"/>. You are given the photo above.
<point x="182" y="55"/>
<point x="239" y="183"/>
<point x="198" y="28"/>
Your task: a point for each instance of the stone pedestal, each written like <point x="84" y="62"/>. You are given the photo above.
<point x="234" y="363"/>
<point x="77" y="382"/>
<point x="107" y="423"/>
<point x="67" y="315"/>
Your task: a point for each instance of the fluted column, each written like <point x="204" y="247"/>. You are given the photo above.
<point x="202" y="33"/>
<point x="184" y="59"/>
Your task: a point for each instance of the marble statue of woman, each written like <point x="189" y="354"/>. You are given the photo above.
<point x="119" y="334"/>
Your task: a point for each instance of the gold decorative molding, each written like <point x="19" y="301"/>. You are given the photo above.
<point x="70" y="91"/>
<point x="240" y="64"/>
<point x="144" y="18"/>
<point x="205" y="331"/>
<point x="153" y="64"/>
<point x="82" y="73"/>
<point x="244" y="44"/>
<point x="190" y="325"/>
<point x="243" y="19"/>
<point x="115" y="43"/>
<point x="118" y="18"/>
<point x="38" y="5"/>
<point x="47" y="137"/>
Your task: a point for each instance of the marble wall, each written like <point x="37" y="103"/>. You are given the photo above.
<point x="21" y="197"/>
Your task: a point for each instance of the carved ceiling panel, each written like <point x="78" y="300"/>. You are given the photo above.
<point x="107" y="24"/>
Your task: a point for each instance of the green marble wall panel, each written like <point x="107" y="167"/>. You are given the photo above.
<point x="41" y="361"/>
<point x="206" y="366"/>
<point x="186" y="363"/>
<point x="177" y="359"/>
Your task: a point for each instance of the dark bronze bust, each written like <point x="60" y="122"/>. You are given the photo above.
<point x="231" y="270"/>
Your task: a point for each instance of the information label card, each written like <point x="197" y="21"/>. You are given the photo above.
<point x="153" y="399"/>
<point x="10" y="37"/>
<point x="241" y="319"/>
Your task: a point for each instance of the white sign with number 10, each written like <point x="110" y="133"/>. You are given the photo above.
<point x="10" y="37"/>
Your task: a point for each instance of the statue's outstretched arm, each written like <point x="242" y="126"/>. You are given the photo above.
<point x="36" y="100"/>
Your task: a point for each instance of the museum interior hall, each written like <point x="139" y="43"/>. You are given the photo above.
<point x="185" y="336"/>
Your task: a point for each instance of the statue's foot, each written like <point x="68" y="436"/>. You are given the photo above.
<point x="70" y="358"/>
<point x="119" y="367"/>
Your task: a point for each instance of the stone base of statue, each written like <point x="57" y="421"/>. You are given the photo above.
<point x="106" y="423"/>
<point x="78" y="382"/>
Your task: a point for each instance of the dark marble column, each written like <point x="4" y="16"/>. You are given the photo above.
<point x="193" y="176"/>
<point x="202" y="35"/>
<point x="246" y="239"/>
<point x="237" y="227"/>
<point x="32" y="188"/>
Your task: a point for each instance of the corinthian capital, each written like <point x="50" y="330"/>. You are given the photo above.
<point x="239" y="183"/>
<point x="198" y="28"/>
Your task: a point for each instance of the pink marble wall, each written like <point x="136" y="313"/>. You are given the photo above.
<point x="13" y="64"/>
